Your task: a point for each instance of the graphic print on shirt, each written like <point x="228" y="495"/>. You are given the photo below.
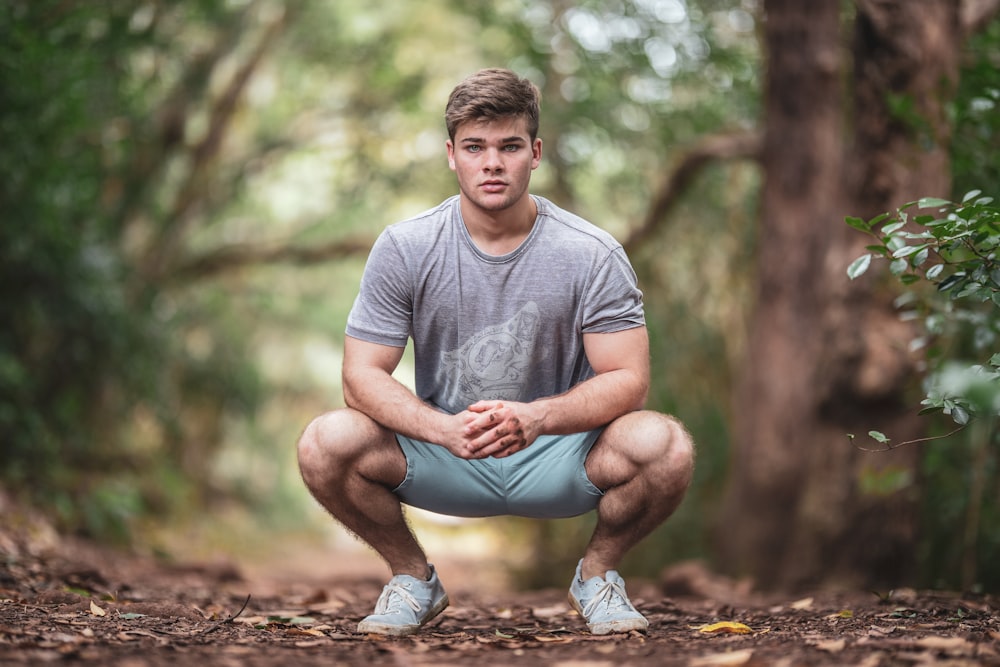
<point x="492" y="363"/>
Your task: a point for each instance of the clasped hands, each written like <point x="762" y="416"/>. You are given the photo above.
<point x="495" y="428"/>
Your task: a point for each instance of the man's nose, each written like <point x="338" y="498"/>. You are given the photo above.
<point x="493" y="161"/>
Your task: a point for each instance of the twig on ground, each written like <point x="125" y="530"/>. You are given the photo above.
<point x="230" y="619"/>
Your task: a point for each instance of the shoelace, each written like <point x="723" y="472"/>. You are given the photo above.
<point x="392" y="596"/>
<point x="611" y="594"/>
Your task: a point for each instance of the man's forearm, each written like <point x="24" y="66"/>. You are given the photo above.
<point x="391" y="404"/>
<point x="593" y="403"/>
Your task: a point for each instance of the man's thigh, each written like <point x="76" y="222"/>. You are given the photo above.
<point x="629" y="445"/>
<point x="352" y="440"/>
<point x="546" y="480"/>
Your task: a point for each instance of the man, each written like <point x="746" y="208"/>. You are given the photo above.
<point x="532" y="369"/>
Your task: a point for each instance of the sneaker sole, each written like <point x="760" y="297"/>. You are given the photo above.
<point x="373" y="628"/>
<point x="609" y="627"/>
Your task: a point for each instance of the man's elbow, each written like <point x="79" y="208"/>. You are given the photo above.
<point x="351" y="397"/>
<point x="640" y="394"/>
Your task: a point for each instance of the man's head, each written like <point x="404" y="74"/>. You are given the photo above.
<point x="493" y="94"/>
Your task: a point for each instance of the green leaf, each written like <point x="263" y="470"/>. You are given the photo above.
<point x="858" y="223"/>
<point x="932" y="202"/>
<point x="951" y="281"/>
<point x="934" y="271"/>
<point x="960" y="415"/>
<point x="906" y="251"/>
<point x="894" y="227"/>
<point x="878" y="436"/>
<point x="878" y="249"/>
<point x="859" y="266"/>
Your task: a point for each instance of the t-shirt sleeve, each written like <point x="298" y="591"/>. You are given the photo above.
<point x="613" y="299"/>
<point x="383" y="310"/>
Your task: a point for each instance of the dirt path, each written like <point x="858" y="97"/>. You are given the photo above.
<point x="73" y="603"/>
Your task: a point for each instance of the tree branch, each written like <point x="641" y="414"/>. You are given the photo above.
<point x="190" y="194"/>
<point x="232" y="258"/>
<point x="977" y="13"/>
<point x="743" y="145"/>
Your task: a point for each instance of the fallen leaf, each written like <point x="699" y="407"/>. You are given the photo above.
<point x="804" y="603"/>
<point x="727" y="659"/>
<point x="831" y="645"/>
<point x="294" y="632"/>
<point x="96" y="610"/>
<point x="946" y="643"/>
<point x="250" y="620"/>
<point x="549" y="612"/>
<point x="726" y="627"/>
<point x="132" y="635"/>
<point x="881" y="631"/>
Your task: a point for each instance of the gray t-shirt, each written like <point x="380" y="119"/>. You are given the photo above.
<point x="494" y="327"/>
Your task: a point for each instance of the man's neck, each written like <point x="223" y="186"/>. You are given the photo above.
<point x="500" y="232"/>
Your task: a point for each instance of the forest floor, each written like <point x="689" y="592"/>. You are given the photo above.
<point x="63" y="601"/>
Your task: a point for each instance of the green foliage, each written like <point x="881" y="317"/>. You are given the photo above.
<point x="84" y="344"/>
<point x="947" y="255"/>
<point x="976" y="114"/>
<point x="954" y="250"/>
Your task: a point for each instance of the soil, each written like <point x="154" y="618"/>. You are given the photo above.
<point x="74" y="603"/>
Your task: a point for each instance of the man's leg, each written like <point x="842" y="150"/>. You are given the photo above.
<point x="643" y="462"/>
<point x="350" y="465"/>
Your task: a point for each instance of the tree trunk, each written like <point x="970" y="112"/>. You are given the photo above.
<point x="827" y="357"/>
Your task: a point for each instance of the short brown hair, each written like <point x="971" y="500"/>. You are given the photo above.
<point x="490" y="94"/>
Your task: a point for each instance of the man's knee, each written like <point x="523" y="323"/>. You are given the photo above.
<point x="675" y="441"/>
<point x="654" y="443"/>
<point x="346" y="441"/>
<point x="333" y="437"/>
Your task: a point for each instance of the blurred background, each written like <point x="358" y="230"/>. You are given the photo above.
<point x="189" y="189"/>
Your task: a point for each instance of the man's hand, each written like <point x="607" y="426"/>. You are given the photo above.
<point x="499" y="429"/>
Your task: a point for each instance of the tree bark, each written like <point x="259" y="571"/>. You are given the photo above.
<point x="827" y="357"/>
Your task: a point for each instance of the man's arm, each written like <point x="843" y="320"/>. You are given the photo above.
<point x="621" y="384"/>
<point x="370" y="388"/>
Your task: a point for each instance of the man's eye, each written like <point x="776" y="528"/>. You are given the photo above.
<point x="473" y="149"/>
<point x="510" y="148"/>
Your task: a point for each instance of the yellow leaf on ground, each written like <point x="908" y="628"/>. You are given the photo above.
<point x="726" y="627"/>
<point x="96" y="610"/>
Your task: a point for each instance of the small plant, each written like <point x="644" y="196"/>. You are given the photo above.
<point x="947" y="253"/>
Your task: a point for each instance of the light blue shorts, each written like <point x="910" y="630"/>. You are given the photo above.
<point x="547" y="480"/>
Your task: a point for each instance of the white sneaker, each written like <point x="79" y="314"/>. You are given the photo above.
<point x="406" y="605"/>
<point x="604" y="604"/>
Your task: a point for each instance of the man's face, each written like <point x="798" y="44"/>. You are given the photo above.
<point x="493" y="161"/>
